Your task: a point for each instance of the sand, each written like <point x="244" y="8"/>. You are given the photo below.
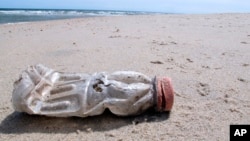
<point x="207" y="57"/>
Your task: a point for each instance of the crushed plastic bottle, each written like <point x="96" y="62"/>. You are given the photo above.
<point x="44" y="91"/>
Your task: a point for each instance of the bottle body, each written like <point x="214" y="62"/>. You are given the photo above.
<point x="43" y="91"/>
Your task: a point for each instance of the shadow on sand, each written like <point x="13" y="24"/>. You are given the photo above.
<point x="19" y="123"/>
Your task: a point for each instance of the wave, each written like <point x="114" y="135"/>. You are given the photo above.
<point x="28" y="15"/>
<point x="66" y="12"/>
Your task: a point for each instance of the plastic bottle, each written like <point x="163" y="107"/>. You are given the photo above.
<point x="43" y="91"/>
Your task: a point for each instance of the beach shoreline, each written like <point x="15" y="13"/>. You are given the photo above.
<point x="207" y="57"/>
<point x="9" y="15"/>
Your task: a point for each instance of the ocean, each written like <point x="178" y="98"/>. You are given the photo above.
<point x="29" y="15"/>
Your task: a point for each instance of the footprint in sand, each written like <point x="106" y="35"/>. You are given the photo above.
<point x="242" y="80"/>
<point x="243" y="42"/>
<point x="203" y="89"/>
<point x="245" y="65"/>
<point x="156" y="62"/>
<point x="162" y="43"/>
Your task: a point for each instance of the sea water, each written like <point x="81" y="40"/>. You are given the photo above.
<point x="29" y="15"/>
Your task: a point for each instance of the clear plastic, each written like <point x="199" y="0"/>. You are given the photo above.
<point x="44" y="91"/>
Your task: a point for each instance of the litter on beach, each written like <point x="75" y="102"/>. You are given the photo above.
<point x="44" y="91"/>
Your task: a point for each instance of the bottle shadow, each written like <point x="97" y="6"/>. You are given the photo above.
<point x="19" y="123"/>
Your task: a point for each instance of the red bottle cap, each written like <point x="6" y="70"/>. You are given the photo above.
<point x="165" y="94"/>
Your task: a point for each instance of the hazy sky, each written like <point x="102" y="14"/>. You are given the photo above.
<point x="173" y="6"/>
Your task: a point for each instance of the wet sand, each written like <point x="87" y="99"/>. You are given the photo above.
<point x="207" y="57"/>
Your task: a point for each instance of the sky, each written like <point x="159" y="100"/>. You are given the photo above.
<point x="168" y="6"/>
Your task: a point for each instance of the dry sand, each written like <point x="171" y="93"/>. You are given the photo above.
<point x="207" y="57"/>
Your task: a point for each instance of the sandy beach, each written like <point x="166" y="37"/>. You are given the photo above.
<point x="207" y="57"/>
